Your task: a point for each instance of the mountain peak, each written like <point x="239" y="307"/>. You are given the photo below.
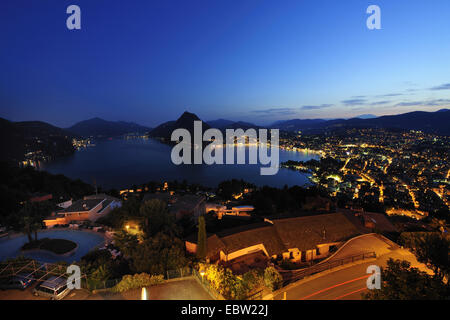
<point x="188" y="116"/>
<point x="185" y="121"/>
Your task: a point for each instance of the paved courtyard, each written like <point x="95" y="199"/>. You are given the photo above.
<point x="186" y="289"/>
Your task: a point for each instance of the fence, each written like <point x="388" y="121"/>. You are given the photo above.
<point x="207" y="285"/>
<point x="255" y="296"/>
<point x="99" y="285"/>
<point x="33" y="270"/>
<point x="178" y="273"/>
<point x="326" y="266"/>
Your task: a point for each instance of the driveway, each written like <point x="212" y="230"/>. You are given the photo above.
<point x="363" y="244"/>
<point x="346" y="283"/>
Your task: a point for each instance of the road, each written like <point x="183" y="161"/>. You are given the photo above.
<point x="344" y="284"/>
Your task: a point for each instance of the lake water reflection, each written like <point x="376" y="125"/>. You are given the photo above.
<point x="121" y="163"/>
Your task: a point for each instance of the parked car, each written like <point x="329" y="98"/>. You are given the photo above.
<point x="54" y="288"/>
<point x="20" y="281"/>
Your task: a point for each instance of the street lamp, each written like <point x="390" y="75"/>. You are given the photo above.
<point x="144" y="294"/>
<point x="202" y="273"/>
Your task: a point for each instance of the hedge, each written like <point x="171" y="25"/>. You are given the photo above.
<point x="129" y="282"/>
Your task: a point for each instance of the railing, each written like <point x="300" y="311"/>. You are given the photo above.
<point x="99" y="285"/>
<point x="326" y="266"/>
<point x="178" y="273"/>
<point x="207" y="286"/>
<point x="255" y="296"/>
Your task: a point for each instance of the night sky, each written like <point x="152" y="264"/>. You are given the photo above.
<point x="252" y="60"/>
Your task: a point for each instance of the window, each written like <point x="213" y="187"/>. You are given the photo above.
<point x="61" y="289"/>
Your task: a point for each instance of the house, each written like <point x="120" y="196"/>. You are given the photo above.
<point x="65" y="204"/>
<point x="369" y="221"/>
<point x="220" y="210"/>
<point x="89" y="208"/>
<point x="191" y="205"/>
<point x="39" y="197"/>
<point x="296" y="239"/>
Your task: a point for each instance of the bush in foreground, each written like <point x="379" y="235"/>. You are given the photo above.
<point x="140" y="280"/>
<point x="272" y="278"/>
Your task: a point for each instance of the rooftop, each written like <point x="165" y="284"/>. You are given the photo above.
<point x="82" y="205"/>
<point x="304" y="233"/>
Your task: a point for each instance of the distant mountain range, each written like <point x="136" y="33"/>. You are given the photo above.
<point x="430" y="122"/>
<point x="223" y="124"/>
<point x="297" y="124"/>
<point x="20" y="138"/>
<point x="97" y="127"/>
<point x="366" y="116"/>
<point x="232" y="125"/>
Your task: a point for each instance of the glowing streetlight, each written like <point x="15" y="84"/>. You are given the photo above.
<point x="144" y="294"/>
<point x="127" y="227"/>
<point x="202" y="273"/>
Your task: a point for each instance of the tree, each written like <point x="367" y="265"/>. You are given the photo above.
<point x="225" y="282"/>
<point x="401" y="282"/>
<point x="433" y="249"/>
<point x="253" y="279"/>
<point x="26" y="222"/>
<point x="29" y="221"/>
<point x="156" y="217"/>
<point x="272" y="278"/>
<point x="158" y="254"/>
<point x="430" y="248"/>
<point x="201" y="239"/>
<point x="126" y="242"/>
<point x="100" y="274"/>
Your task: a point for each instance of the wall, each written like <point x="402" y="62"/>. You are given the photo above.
<point x="243" y="252"/>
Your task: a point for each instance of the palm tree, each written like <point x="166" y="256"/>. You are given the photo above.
<point x="30" y="222"/>
<point x="36" y="226"/>
<point x="26" y="222"/>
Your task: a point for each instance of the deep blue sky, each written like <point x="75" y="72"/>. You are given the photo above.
<point x="254" y="60"/>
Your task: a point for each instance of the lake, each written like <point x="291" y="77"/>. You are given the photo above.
<point x="122" y="163"/>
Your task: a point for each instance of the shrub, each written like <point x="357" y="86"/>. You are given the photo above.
<point x="140" y="280"/>
<point x="57" y="246"/>
<point x="272" y="278"/>
<point x="289" y="265"/>
<point x="253" y="279"/>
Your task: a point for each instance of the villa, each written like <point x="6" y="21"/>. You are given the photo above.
<point x="89" y="208"/>
<point x="298" y="239"/>
<point x="190" y="205"/>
